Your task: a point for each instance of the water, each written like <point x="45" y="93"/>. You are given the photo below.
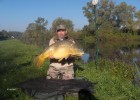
<point x="125" y="52"/>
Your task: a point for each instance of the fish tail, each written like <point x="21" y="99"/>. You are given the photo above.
<point x="39" y="60"/>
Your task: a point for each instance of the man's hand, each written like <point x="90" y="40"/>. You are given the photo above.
<point x="51" y="57"/>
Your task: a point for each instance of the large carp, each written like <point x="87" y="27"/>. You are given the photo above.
<point x="59" y="50"/>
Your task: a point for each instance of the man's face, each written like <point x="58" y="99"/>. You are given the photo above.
<point x="61" y="33"/>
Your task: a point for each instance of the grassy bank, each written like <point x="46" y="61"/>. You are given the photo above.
<point x="113" y="78"/>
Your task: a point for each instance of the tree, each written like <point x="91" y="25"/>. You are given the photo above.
<point x="125" y="15"/>
<point x="110" y="17"/>
<point x="3" y="35"/>
<point x="138" y="19"/>
<point x="35" y="32"/>
<point x="68" y="23"/>
<point x="40" y="24"/>
<point x="106" y="10"/>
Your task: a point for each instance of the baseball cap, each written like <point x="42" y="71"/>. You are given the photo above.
<point x="61" y="27"/>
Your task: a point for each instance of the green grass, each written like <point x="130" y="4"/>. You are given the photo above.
<point x="113" y="78"/>
<point x="16" y="65"/>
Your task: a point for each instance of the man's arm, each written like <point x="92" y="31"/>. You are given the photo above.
<point x="51" y="42"/>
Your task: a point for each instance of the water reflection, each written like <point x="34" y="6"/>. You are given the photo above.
<point x="128" y="53"/>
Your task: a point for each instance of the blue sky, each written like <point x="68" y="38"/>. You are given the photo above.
<point x="15" y="15"/>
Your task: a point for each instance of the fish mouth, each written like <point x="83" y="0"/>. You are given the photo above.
<point x="78" y="55"/>
<point x="81" y="54"/>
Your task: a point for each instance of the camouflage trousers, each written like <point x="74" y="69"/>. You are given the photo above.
<point x="61" y="73"/>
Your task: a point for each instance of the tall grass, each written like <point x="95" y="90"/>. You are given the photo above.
<point x="113" y="78"/>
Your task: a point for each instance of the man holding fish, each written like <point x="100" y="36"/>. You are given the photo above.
<point x="61" y="52"/>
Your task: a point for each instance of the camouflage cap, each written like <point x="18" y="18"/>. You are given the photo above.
<point x="61" y="27"/>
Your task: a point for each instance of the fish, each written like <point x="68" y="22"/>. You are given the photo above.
<point x="59" y="50"/>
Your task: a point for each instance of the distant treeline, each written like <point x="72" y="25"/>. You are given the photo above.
<point x="10" y="34"/>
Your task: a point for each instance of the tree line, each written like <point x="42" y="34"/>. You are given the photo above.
<point x="10" y="34"/>
<point x="111" y="18"/>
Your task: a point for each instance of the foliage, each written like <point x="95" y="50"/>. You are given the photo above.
<point x="121" y="37"/>
<point x="111" y="16"/>
<point x="89" y="39"/>
<point x="119" y="69"/>
<point x="36" y="32"/>
<point x="138" y="20"/>
<point x="11" y="34"/>
<point x="111" y="86"/>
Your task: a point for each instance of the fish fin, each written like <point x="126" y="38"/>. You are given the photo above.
<point x="66" y="57"/>
<point x="60" y="59"/>
<point x="39" y="60"/>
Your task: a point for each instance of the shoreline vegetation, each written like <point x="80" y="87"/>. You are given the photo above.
<point x="112" y="38"/>
<point x="113" y="78"/>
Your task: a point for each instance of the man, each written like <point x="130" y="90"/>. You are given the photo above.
<point x="63" y="69"/>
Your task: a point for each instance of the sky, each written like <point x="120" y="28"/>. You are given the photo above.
<point x="15" y="15"/>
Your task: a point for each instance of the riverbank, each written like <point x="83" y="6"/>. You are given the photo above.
<point x="114" y="79"/>
<point x="112" y="38"/>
